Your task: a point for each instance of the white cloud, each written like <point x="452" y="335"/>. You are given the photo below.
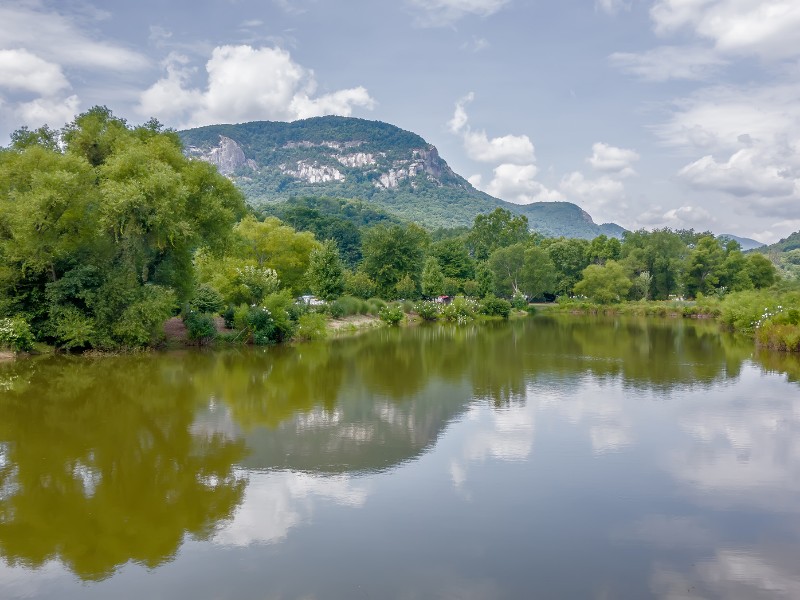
<point x="688" y="217"/>
<point x="23" y="70"/>
<point x="748" y="142"/>
<point x="58" y="39"/>
<point x="47" y="111"/>
<point x="765" y="28"/>
<point x="612" y="7"/>
<point x="245" y="83"/>
<point x="437" y="13"/>
<point x="517" y="183"/>
<point x="513" y="149"/>
<point x="669" y="62"/>
<point x="603" y="197"/>
<point x="613" y="160"/>
<point x="743" y="174"/>
<point x="460" y="117"/>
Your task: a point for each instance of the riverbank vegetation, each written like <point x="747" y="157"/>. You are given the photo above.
<point x="107" y="230"/>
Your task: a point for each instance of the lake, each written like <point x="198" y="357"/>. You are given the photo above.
<point x="550" y="457"/>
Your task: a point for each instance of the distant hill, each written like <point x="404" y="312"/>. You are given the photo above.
<point x="745" y="243"/>
<point x="342" y="157"/>
<point x="785" y="245"/>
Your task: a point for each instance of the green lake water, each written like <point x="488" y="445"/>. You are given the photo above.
<point x="551" y="457"/>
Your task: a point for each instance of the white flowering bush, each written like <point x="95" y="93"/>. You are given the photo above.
<point x="15" y="334"/>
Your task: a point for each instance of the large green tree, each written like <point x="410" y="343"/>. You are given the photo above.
<point x="97" y="232"/>
<point x="325" y="273"/>
<point x="391" y="254"/>
<point x="498" y="229"/>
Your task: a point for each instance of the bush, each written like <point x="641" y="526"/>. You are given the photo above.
<point x="408" y="306"/>
<point x="779" y="336"/>
<point x="262" y="326"/>
<point x="359" y="284"/>
<point x="428" y="311"/>
<point x="15" y="334"/>
<point x="228" y="317"/>
<point x="460" y="310"/>
<point x="347" y="306"/>
<point x="392" y="315"/>
<point x="200" y="326"/>
<point x="519" y="301"/>
<point x="206" y="300"/>
<point x="375" y="306"/>
<point x="495" y="307"/>
<point x="311" y="326"/>
<point x="142" y="322"/>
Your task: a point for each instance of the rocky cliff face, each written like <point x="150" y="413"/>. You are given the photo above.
<point x="228" y="156"/>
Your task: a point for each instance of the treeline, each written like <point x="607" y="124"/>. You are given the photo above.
<point x="107" y="230"/>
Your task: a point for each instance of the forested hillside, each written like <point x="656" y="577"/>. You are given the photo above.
<point x="371" y="161"/>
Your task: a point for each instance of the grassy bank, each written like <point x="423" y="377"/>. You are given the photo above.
<point x="771" y="317"/>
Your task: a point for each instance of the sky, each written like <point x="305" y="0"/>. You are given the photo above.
<point x="646" y="113"/>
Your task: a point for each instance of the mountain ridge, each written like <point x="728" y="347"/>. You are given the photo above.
<point x="373" y="161"/>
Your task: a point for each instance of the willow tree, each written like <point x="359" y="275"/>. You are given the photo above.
<point x="97" y="232"/>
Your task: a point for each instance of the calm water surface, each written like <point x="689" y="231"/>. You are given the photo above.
<point x="544" y="458"/>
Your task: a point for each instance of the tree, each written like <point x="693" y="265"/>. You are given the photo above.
<point x="325" y="274"/>
<point x="391" y="253"/>
<point x="498" y="229"/>
<point x="432" y="278"/>
<point x="538" y="275"/>
<point x="761" y="271"/>
<point x="454" y="259"/>
<point x="272" y="243"/>
<point x="506" y="266"/>
<point x="604" y="284"/>
<point x="662" y="253"/>
<point x="704" y="267"/>
<point x="97" y="232"/>
<point x="570" y="257"/>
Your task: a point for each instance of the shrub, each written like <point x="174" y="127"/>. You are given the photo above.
<point x="408" y="306"/>
<point x="460" y="310"/>
<point x="200" y="326"/>
<point x="359" y="284"/>
<point x="15" y="333"/>
<point x="428" y="311"/>
<point x="347" y="306"/>
<point x="375" y="305"/>
<point x="142" y="322"/>
<point x="228" y="316"/>
<point x="311" y="326"/>
<point x="495" y="307"/>
<point x="519" y="301"/>
<point x="392" y="315"/>
<point x="206" y="300"/>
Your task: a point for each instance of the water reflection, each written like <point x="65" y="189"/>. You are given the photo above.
<point x="564" y="442"/>
<point x="100" y="466"/>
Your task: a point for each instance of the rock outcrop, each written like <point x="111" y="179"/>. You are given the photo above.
<point x="228" y="156"/>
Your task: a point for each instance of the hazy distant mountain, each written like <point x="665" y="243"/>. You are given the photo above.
<point x="344" y="157"/>
<point x="745" y="243"/>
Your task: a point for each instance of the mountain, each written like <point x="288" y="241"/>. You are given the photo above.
<point x="745" y="243"/>
<point x="343" y="157"/>
<point x="785" y="245"/>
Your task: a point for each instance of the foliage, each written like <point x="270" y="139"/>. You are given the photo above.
<point x="495" y="307"/>
<point x="392" y="253"/>
<point x="461" y="310"/>
<point x="392" y="314"/>
<point x="349" y="305"/>
<point x="432" y="278"/>
<point x="604" y="284"/>
<point x="98" y="231"/>
<point x="527" y="270"/>
<point x="200" y="326"/>
<point x="359" y="284"/>
<point x="427" y="310"/>
<point x="15" y="334"/>
<point x="311" y="326"/>
<point x="325" y="273"/>
<point x="207" y="300"/>
<point x="498" y="229"/>
<point x="406" y="288"/>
